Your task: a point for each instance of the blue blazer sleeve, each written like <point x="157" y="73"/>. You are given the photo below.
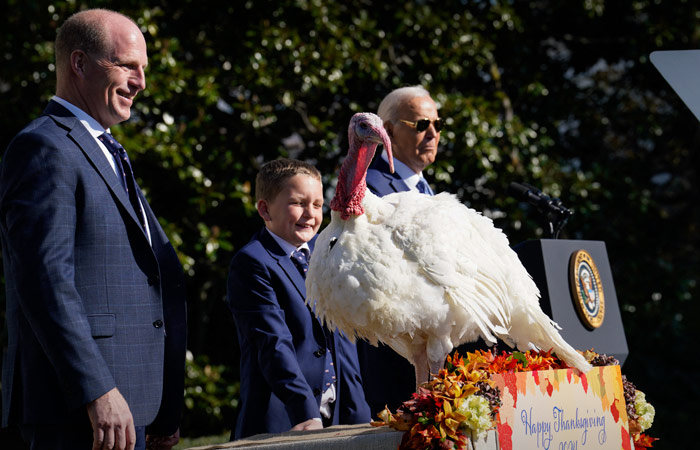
<point x="39" y="220"/>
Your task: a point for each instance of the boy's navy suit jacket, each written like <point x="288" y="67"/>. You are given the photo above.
<point x="283" y="345"/>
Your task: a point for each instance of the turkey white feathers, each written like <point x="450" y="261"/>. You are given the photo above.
<point x="422" y="274"/>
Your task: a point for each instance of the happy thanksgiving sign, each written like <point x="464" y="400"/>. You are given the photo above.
<point x="560" y="410"/>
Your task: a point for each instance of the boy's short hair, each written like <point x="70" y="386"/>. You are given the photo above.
<point x="270" y="178"/>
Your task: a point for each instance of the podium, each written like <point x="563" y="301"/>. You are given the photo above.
<point x="549" y="262"/>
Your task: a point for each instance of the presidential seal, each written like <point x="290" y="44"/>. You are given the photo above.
<point x="586" y="289"/>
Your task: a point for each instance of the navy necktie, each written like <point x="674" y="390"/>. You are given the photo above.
<point x="125" y="172"/>
<point x="423" y="187"/>
<point x="301" y="260"/>
<point x="329" y="371"/>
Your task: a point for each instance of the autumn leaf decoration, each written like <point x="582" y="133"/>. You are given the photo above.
<point x="461" y="401"/>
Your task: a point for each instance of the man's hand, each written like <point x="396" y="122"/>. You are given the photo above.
<point x="112" y="423"/>
<point x="162" y="442"/>
<point x="311" y="424"/>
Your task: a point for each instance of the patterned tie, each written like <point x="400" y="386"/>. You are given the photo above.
<point x="124" y="170"/>
<point x="329" y="372"/>
<point x="301" y="260"/>
<point x="423" y="187"/>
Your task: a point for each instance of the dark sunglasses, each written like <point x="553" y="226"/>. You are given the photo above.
<point x="423" y="124"/>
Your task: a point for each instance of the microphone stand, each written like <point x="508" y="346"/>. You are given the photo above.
<point x="555" y="214"/>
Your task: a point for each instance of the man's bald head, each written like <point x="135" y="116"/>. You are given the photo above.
<point x="87" y="31"/>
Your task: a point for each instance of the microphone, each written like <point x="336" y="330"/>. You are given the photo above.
<point x="552" y="208"/>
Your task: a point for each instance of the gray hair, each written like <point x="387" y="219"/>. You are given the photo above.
<point x="389" y="107"/>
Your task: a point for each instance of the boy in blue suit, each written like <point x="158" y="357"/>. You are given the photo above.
<point x="295" y="374"/>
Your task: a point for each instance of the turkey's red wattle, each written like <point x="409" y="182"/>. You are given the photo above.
<point x="364" y="134"/>
<point x="352" y="183"/>
<point x="351" y="204"/>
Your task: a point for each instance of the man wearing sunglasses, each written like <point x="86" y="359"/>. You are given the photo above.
<point x="411" y="119"/>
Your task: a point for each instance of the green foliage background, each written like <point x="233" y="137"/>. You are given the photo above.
<point x="559" y="94"/>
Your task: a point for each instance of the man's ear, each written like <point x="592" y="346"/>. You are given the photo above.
<point x="78" y="61"/>
<point x="389" y="127"/>
<point x="263" y="210"/>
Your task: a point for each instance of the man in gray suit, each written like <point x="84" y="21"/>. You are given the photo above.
<point x="95" y="292"/>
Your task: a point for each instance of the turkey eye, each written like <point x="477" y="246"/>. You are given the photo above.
<point x="363" y="125"/>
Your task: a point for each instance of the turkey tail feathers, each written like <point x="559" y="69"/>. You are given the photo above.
<point x="535" y="328"/>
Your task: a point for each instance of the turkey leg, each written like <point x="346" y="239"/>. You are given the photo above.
<point x="421" y="364"/>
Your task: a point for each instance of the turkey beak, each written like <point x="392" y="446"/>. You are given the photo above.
<point x="383" y="138"/>
<point x="380" y="136"/>
<point x="387" y="146"/>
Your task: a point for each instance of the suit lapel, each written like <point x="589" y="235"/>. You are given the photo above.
<point x="399" y="185"/>
<point x="284" y="261"/>
<point x="84" y="140"/>
<point x="394" y="180"/>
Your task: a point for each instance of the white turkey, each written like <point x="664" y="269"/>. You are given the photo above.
<point x="422" y="274"/>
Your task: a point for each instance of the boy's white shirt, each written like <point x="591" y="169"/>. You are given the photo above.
<point x="288" y="248"/>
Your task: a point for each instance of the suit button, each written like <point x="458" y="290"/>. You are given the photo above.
<point x="158" y="323"/>
<point x="317" y="392"/>
<point x="320" y="352"/>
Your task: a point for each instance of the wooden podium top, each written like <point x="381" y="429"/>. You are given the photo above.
<point x="362" y="436"/>
<point x="340" y="437"/>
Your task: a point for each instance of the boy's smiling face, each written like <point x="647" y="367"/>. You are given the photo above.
<point x="296" y="213"/>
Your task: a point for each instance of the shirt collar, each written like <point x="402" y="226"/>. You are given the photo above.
<point x="88" y="122"/>
<point x="288" y="248"/>
<point x="404" y="172"/>
<point x="91" y="125"/>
